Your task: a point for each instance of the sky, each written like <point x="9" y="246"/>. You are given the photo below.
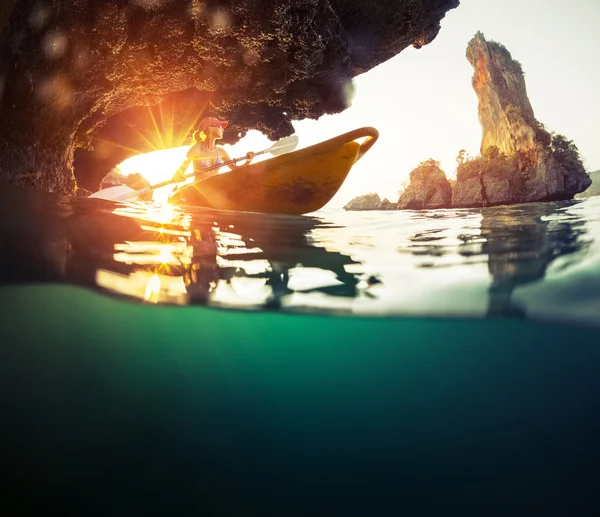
<point x="424" y="106"/>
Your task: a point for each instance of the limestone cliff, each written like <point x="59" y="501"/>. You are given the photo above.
<point x="520" y="161"/>
<point x="505" y="112"/>
<point x="78" y="77"/>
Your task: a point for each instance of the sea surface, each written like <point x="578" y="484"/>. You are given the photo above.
<point x="165" y="361"/>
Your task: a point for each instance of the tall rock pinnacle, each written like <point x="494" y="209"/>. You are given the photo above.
<point x="520" y="160"/>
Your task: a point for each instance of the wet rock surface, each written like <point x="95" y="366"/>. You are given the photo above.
<point x="91" y="82"/>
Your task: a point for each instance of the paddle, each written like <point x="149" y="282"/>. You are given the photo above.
<point x="282" y="146"/>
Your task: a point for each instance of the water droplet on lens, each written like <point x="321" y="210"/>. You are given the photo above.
<point x="56" y="90"/>
<point x="54" y="45"/>
<point x="221" y="19"/>
<point x="40" y="16"/>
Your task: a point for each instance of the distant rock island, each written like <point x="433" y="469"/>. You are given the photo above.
<point x="520" y="160"/>
<point x="370" y="201"/>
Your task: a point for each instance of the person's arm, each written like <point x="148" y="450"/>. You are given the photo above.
<point x="226" y="158"/>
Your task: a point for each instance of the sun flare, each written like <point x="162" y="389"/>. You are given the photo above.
<point x="157" y="166"/>
<point x="160" y="165"/>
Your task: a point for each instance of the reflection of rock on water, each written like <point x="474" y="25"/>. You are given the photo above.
<point x="521" y="242"/>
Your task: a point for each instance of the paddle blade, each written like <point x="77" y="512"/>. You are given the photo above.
<point x="285" y="145"/>
<point x="114" y="193"/>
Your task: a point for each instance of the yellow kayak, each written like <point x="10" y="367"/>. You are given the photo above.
<point x="295" y="183"/>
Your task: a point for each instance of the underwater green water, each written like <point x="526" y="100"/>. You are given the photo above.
<point x="112" y="408"/>
<point x="340" y="364"/>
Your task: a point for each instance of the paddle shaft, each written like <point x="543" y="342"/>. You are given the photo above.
<point x="187" y="176"/>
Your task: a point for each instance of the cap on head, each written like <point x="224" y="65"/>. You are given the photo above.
<point x="211" y="121"/>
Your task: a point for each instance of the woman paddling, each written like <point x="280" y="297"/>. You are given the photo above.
<point x="205" y="153"/>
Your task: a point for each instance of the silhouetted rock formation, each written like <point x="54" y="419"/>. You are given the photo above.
<point x="428" y="188"/>
<point x="521" y="161"/>
<point x="70" y="68"/>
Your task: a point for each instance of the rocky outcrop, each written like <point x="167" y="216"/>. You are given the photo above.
<point x="520" y="161"/>
<point x="78" y="77"/>
<point x="386" y="204"/>
<point x="370" y="202"/>
<point x="491" y="179"/>
<point x="428" y="188"/>
<point x="366" y="202"/>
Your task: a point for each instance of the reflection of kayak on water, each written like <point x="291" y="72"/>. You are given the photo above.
<point x="298" y="182"/>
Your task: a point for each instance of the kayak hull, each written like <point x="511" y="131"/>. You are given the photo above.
<point x="295" y="183"/>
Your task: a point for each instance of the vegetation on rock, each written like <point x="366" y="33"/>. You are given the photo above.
<point x="565" y="151"/>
